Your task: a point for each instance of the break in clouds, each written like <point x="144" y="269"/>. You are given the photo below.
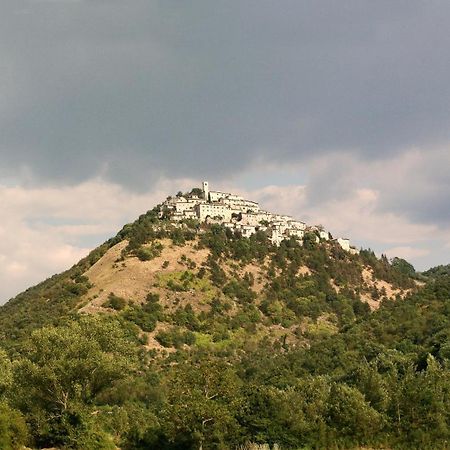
<point x="344" y="103"/>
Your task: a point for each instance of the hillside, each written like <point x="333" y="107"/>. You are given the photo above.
<point x="195" y="266"/>
<point x="187" y="335"/>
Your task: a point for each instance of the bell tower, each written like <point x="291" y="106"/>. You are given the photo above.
<point x="206" y="190"/>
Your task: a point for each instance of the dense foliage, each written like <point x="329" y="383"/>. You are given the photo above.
<point x="302" y="362"/>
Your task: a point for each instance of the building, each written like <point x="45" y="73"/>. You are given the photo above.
<point x="213" y="210"/>
<point x="324" y="235"/>
<point x="344" y="243"/>
<point x="242" y="215"/>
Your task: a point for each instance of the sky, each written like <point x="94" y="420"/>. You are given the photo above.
<point x="335" y="112"/>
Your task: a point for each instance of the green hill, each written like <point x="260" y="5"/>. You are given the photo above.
<point x="191" y="336"/>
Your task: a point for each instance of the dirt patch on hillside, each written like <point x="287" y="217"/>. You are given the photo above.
<point x="304" y="271"/>
<point x="258" y="274"/>
<point x="367" y="298"/>
<point x="133" y="279"/>
<point x="382" y="286"/>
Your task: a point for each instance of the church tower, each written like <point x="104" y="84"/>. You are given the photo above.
<point x="206" y="190"/>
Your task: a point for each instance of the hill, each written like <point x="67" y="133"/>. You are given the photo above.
<point x="188" y="335"/>
<point x="438" y="271"/>
<point x="192" y="264"/>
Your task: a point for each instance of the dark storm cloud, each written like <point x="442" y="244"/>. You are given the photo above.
<point x="139" y="89"/>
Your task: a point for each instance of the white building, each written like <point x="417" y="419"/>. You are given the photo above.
<point x="324" y="235"/>
<point x="299" y="234"/>
<point x="239" y="214"/>
<point x="213" y="210"/>
<point x="276" y="237"/>
<point x="344" y="243"/>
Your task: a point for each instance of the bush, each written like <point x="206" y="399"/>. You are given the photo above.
<point x="147" y="315"/>
<point x="218" y="275"/>
<point x="115" y="302"/>
<point x="177" y="237"/>
<point x="186" y="317"/>
<point x="146" y="322"/>
<point x="148" y="253"/>
<point x="175" y="338"/>
<point x="239" y="290"/>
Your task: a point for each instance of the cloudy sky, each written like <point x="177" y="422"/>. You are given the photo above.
<point x="335" y="112"/>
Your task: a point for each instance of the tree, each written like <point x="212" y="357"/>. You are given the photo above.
<point x="310" y="240"/>
<point x="196" y="191"/>
<point x="13" y="429"/>
<point x="6" y="373"/>
<point x="61" y="373"/>
<point x="203" y="398"/>
<point x="403" y="266"/>
<point x="351" y="415"/>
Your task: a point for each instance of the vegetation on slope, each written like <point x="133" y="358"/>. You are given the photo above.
<point x="47" y="303"/>
<point x="257" y="344"/>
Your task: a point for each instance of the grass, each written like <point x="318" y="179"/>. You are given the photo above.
<point x="187" y="280"/>
<point x="322" y="328"/>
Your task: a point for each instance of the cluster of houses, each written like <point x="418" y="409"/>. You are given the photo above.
<point x="239" y="214"/>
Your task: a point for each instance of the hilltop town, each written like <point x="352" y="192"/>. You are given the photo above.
<point x="243" y="216"/>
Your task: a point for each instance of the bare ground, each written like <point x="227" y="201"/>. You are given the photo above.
<point x="371" y="281"/>
<point x="133" y="279"/>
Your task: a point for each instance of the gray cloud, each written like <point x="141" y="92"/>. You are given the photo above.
<point x="420" y="189"/>
<point x="139" y="90"/>
<point x="143" y="88"/>
<point x="414" y="183"/>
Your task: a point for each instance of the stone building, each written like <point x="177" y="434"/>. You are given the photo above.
<point x="242" y="215"/>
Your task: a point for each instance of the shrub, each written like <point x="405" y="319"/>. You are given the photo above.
<point x="115" y="302"/>
<point x="175" y="338"/>
<point x="147" y="315"/>
<point x="145" y="321"/>
<point x="218" y="275"/>
<point x="186" y="317"/>
<point x="239" y="290"/>
<point x="148" y="253"/>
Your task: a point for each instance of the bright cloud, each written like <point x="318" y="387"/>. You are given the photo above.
<point x="33" y="247"/>
<point x="406" y="252"/>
